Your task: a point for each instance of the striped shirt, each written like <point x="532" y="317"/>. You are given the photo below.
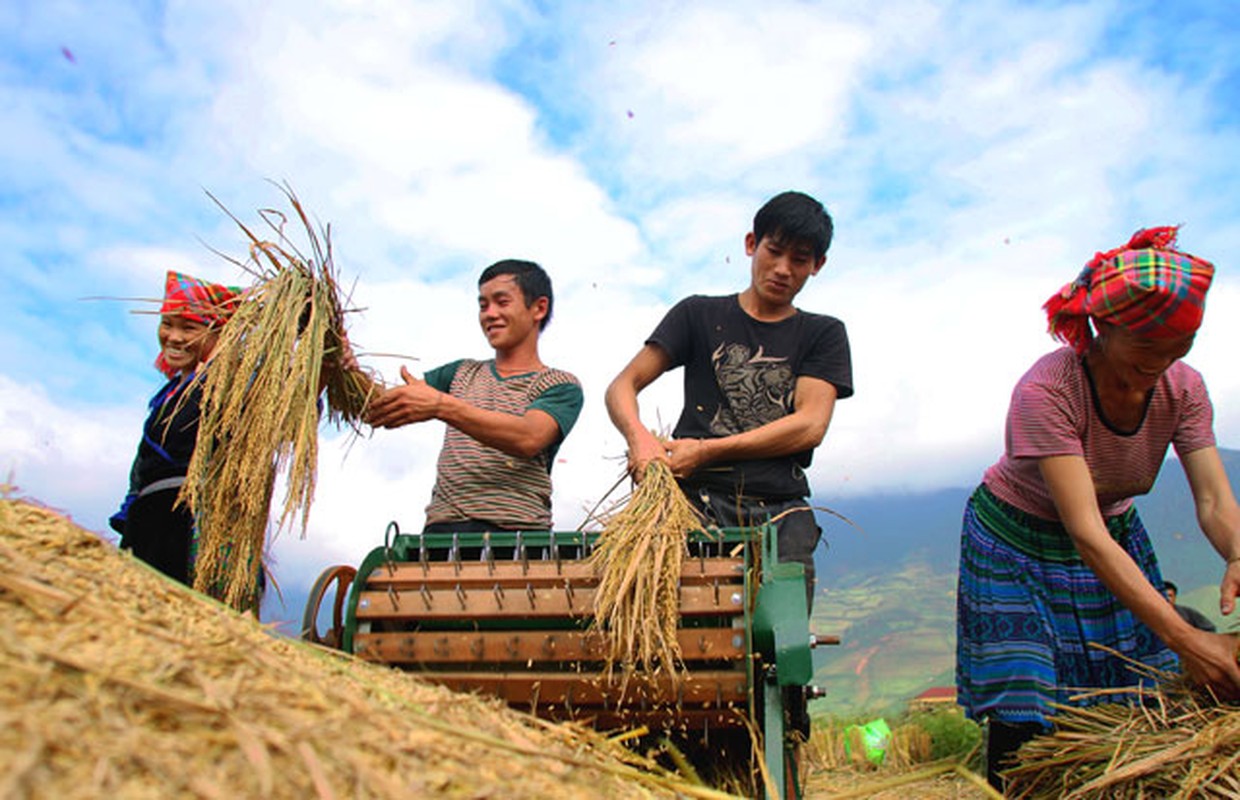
<point x="477" y="482"/>
<point x="1054" y="412"/>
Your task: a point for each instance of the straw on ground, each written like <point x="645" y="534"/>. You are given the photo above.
<point x="1177" y="742"/>
<point x="119" y="682"/>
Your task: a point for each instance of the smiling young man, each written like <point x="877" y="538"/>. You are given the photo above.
<point x="760" y="384"/>
<point x="506" y="416"/>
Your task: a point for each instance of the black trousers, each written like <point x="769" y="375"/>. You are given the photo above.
<point x="159" y="534"/>
<point x="1003" y="739"/>
<point x="797" y="532"/>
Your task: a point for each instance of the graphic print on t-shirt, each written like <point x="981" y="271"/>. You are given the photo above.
<point x="757" y="388"/>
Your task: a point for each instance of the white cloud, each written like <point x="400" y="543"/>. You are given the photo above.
<point x="66" y="453"/>
<point x="725" y="83"/>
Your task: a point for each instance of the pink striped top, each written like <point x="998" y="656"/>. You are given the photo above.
<point x="1053" y="413"/>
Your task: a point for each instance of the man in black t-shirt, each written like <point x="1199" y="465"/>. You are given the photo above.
<point x="760" y="384"/>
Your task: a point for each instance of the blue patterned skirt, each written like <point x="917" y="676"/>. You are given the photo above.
<point x="1028" y="607"/>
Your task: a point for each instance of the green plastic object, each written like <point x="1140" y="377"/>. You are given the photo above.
<point x="872" y="738"/>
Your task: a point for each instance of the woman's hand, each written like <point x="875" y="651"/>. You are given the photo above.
<point x="1229" y="589"/>
<point x="1209" y="659"/>
<point x="347" y="359"/>
<point x="342" y="360"/>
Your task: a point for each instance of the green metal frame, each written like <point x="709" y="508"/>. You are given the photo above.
<point x="781" y="636"/>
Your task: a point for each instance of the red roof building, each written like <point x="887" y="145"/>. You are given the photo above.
<point x="932" y="698"/>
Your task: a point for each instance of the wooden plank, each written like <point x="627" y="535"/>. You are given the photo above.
<point x="702" y="721"/>
<point x="515" y="649"/>
<point x="702" y="689"/>
<point x="517" y="603"/>
<point x="481" y="574"/>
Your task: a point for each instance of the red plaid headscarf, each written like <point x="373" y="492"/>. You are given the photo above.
<point x="186" y="296"/>
<point x="1146" y="286"/>
<point x="209" y="303"/>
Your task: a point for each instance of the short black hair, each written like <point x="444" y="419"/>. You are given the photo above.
<point x="1169" y="585"/>
<point x="531" y="279"/>
<point x="795" y="217"/>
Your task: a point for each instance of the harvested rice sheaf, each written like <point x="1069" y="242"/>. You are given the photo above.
<point x="260" y="404"/>
<point x="638" y="560"/>
<point x="1178" y="743"/>
<point x="118" y="682"/>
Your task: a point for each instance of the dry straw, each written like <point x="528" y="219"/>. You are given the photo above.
<point x="638" y="560"/>
<point x="118" y="682"/>
<point x="1178" y="742"/>
<point x="260" y="403"/>
<point x="843" y="772"/>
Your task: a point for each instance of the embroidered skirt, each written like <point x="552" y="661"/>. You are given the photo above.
<point x="1027" y="609"/>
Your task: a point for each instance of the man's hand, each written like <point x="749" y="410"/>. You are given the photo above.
<point x="645" y="449"/>
<point x="416" y="401"/>
<point x="686" y="455"/>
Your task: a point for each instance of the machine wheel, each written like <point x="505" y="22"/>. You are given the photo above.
<point x="341" y="577"/>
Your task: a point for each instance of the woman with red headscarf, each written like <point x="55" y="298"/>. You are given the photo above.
<point x="1053" y="556"/>
<point x="151" y="525"/>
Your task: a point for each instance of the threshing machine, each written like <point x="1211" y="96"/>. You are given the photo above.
<point x="509" y="614"/>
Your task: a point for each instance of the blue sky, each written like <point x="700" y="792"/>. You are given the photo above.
<point x="974" y="155"/>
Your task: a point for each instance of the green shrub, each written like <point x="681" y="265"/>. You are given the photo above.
<point x="952" y="735"/>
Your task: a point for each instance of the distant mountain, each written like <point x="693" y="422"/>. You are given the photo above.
<point x="887" y="586"/>
<point x="887" y="530"/>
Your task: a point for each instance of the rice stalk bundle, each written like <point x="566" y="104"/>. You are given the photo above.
<point x="1179" y="742"/>
<point x="638" y="560"/>
<point x="260" y="404"/>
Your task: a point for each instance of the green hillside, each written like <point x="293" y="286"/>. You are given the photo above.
<point x="898" y="639"/>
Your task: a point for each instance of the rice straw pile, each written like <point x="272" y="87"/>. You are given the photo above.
<point x="1179" y="744"/>
<point x="638" y="560"/>
<point x="116" y="681"/>
<point x="260" y="413"/>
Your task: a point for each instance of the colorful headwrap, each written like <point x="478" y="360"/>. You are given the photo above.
<point x="186" y="296"/>
<point x="1146" y="286"/>
<point x="208" y="303"/>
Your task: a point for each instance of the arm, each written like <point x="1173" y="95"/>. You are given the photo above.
<point x="523" y="436"/>
<point x="1219" y="516"/>
<point x="803" y="429"/>
<point x="1209" y="658"/>
<point x="621" y="399"/>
